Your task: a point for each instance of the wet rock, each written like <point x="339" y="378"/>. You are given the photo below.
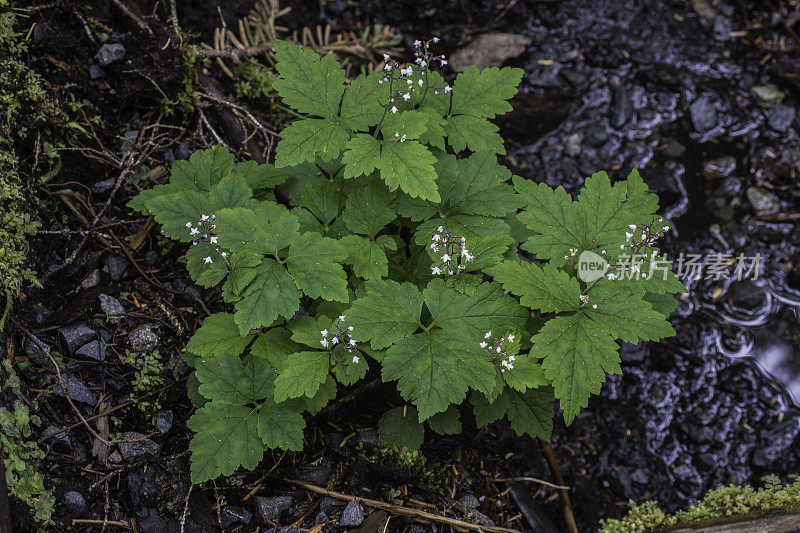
<point x="700" y="434"/>
<point x="139" y="449"/>
<point x="110" y="53"/>
<point x="762" y="200"/>
<point x="575" y="78"/>
<point x="95" y="72"/>
<point x="731" y="186"/>
<point x="151" y="521"/>
<point x="92" y="350"/>
<point x="75" y="503"/>
<point x="32" y="349"/>
<point x="115" y="267"/>
<point x="75" y="336"/>
<point x="719" y="167"/>
<point x="759" y="459"/>
<point x="674" y="149"/>
<point x="469" y="501"/>
<point x="321" y="518"/>
<point x="270" y="509"/>
<point x="595" y="134"/>
<point x="640" y="476"/>
<point x="112" y="307"/>
<point x="368" y="436"/>
<point x="235" y="515"/>
<point x="746" y="295"/>
<point x="722" y="28"/>
<point x="621" y="483"/>
<point x="706" y="462"/>
<point x="769" y="95"/>
<point x="60" y="436"/>
<point x="91" y="280"/>
<point x="164" y="421"/>
<point x="316" y="475"/>
<point x="703" y="114"/>
<point x="143" y="339"/>
<point x="76" y="390"/>
<point x="685" y="472"/>
<point x="102" y="187"/>
<point x="705" y="10"/>
<point x="781" y="117"/>
<point x="115" y="457"/>
<point x="352" y="515"/>
<point x="489" y="50"/>
<point x="621" y="107"/>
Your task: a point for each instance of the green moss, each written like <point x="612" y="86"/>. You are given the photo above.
<point x="719" y="505"/>
<point x="147" y="378"/>
<point x="254" y="81"/>
<point x="432" y="478"/>
<point x="20" y="453"/>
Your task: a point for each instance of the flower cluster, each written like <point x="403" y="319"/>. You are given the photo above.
<point x="343" y="336"/>
<point x="499" y="354"/>
<point x="394" y="74"/>
<point x="201" y="230"/>
<point x="455" y="250"/>
<point x="640" y="242"/>
<point x="585" y="300"/>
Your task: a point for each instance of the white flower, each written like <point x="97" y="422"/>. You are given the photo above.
<point x="355" y="359"/>
<point x="436" y="237"/>
<point x="441" y="228"/>
<point x="498" y="349"/>
<point x="188" y="224"/>
<point x="380" y="81"/>
<point x="446" y="258"/>
<point x="420" y="82"/>
<point x="203" y="217"/>
<point x="488" y="335"/>
<point x="352" y="342"/>
<point x="436" y="271"/>
<point x="628" y="236"/>
<point x="386" y="57"/>
<point x="324" y="343"/>
<point x="512" y="358"/>
<point x="632" y="226"/>
<point x="334" y="340"/>
<point x="223" y="254"/>
<point x="433" y="246"/>
<point x="435" y="40"/>
<point x="387" y="67"/>
<point x="213" y="240"/>
<point x="324" y="332"/>
<point x="409" y="82"/>
<point x="208" y="259"/>
<point x="341" y="318"/>
<point x="594" y="306"/>
<point x="406" y="71"/>
<point x="394" y="109"/>
<point x="511" y="338"/>
<point x="350" y="328"/>
<point x="194" y="231"/>
<point x="463" y="240"/>
<point x="469" y="257"/>
<point x="449" y="272"/>
<point x="406" y="96"/>
<point x="417" y="43"/>
<point x="443" y="62"/>
<point x="447" y="88"/>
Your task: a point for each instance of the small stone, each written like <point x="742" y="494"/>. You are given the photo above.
<point x="112" y="307"/>
<point x="75" y="336"/>
<point x="703" y="114"/>
<point x="769" y="95"/>
<point x="115" y="457"/>
<point x="640" y="476"/>
<point x="92" y="350"/>
<point x="352" y="515"/>
<point x="706" y="462"/>
<point x="75" y="503"/>
<point x="699" y="433"/>
<point x="139" y="448"/>
<point x="102" y="187"/>
<point x="60" y="436"/>
<point x="109" y="53"/>
<point x="621" y="483"/>
<point x="316" y="475"/>
<point x="759" y="458"/>
<point x="143" y="339"/>
<point x="115" y="267"/>
<point x="781" y="118"/>
<point x="575" y="78"/>
<point x="129" y="140"/>
<point x="327" y="505"/>
<point x="368" y="436"/>
<point x="572" y="146"/>
<point x="321" y="518"/>
<point x="621" y="107"/>
<point x="272" y="508"/>
<point x="745" y="294"/>
<point x="91" y="280"/>
<point x="762" y="200"/>
<point x="731" y="186"/>
<point x="685" y="472"/>
<point x="95" y="72"/>
<point x="722" y="28"/>
<point x="719" y="167"/>
<point x="164" y="421"/>
<point x="32" y="349"/>
<point x="235" y="514"/>
<point x="470" y="501"/>
<point x="489" y="50"/>
<point x="76" y="389"/>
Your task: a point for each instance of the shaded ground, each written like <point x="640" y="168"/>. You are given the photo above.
<point x="608" y="85"/>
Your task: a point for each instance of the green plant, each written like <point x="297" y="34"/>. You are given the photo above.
<point x="722" y="504"/>
<point x="396" y="250"/>
<point x="20" y="453"/>
<point x="147" y="378"/>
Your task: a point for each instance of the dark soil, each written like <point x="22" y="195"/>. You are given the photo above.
<point x="711" y="406"/>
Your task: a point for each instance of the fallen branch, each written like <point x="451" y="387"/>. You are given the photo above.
<point x="398" y="509"/>
<point x="566" y="505"/>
